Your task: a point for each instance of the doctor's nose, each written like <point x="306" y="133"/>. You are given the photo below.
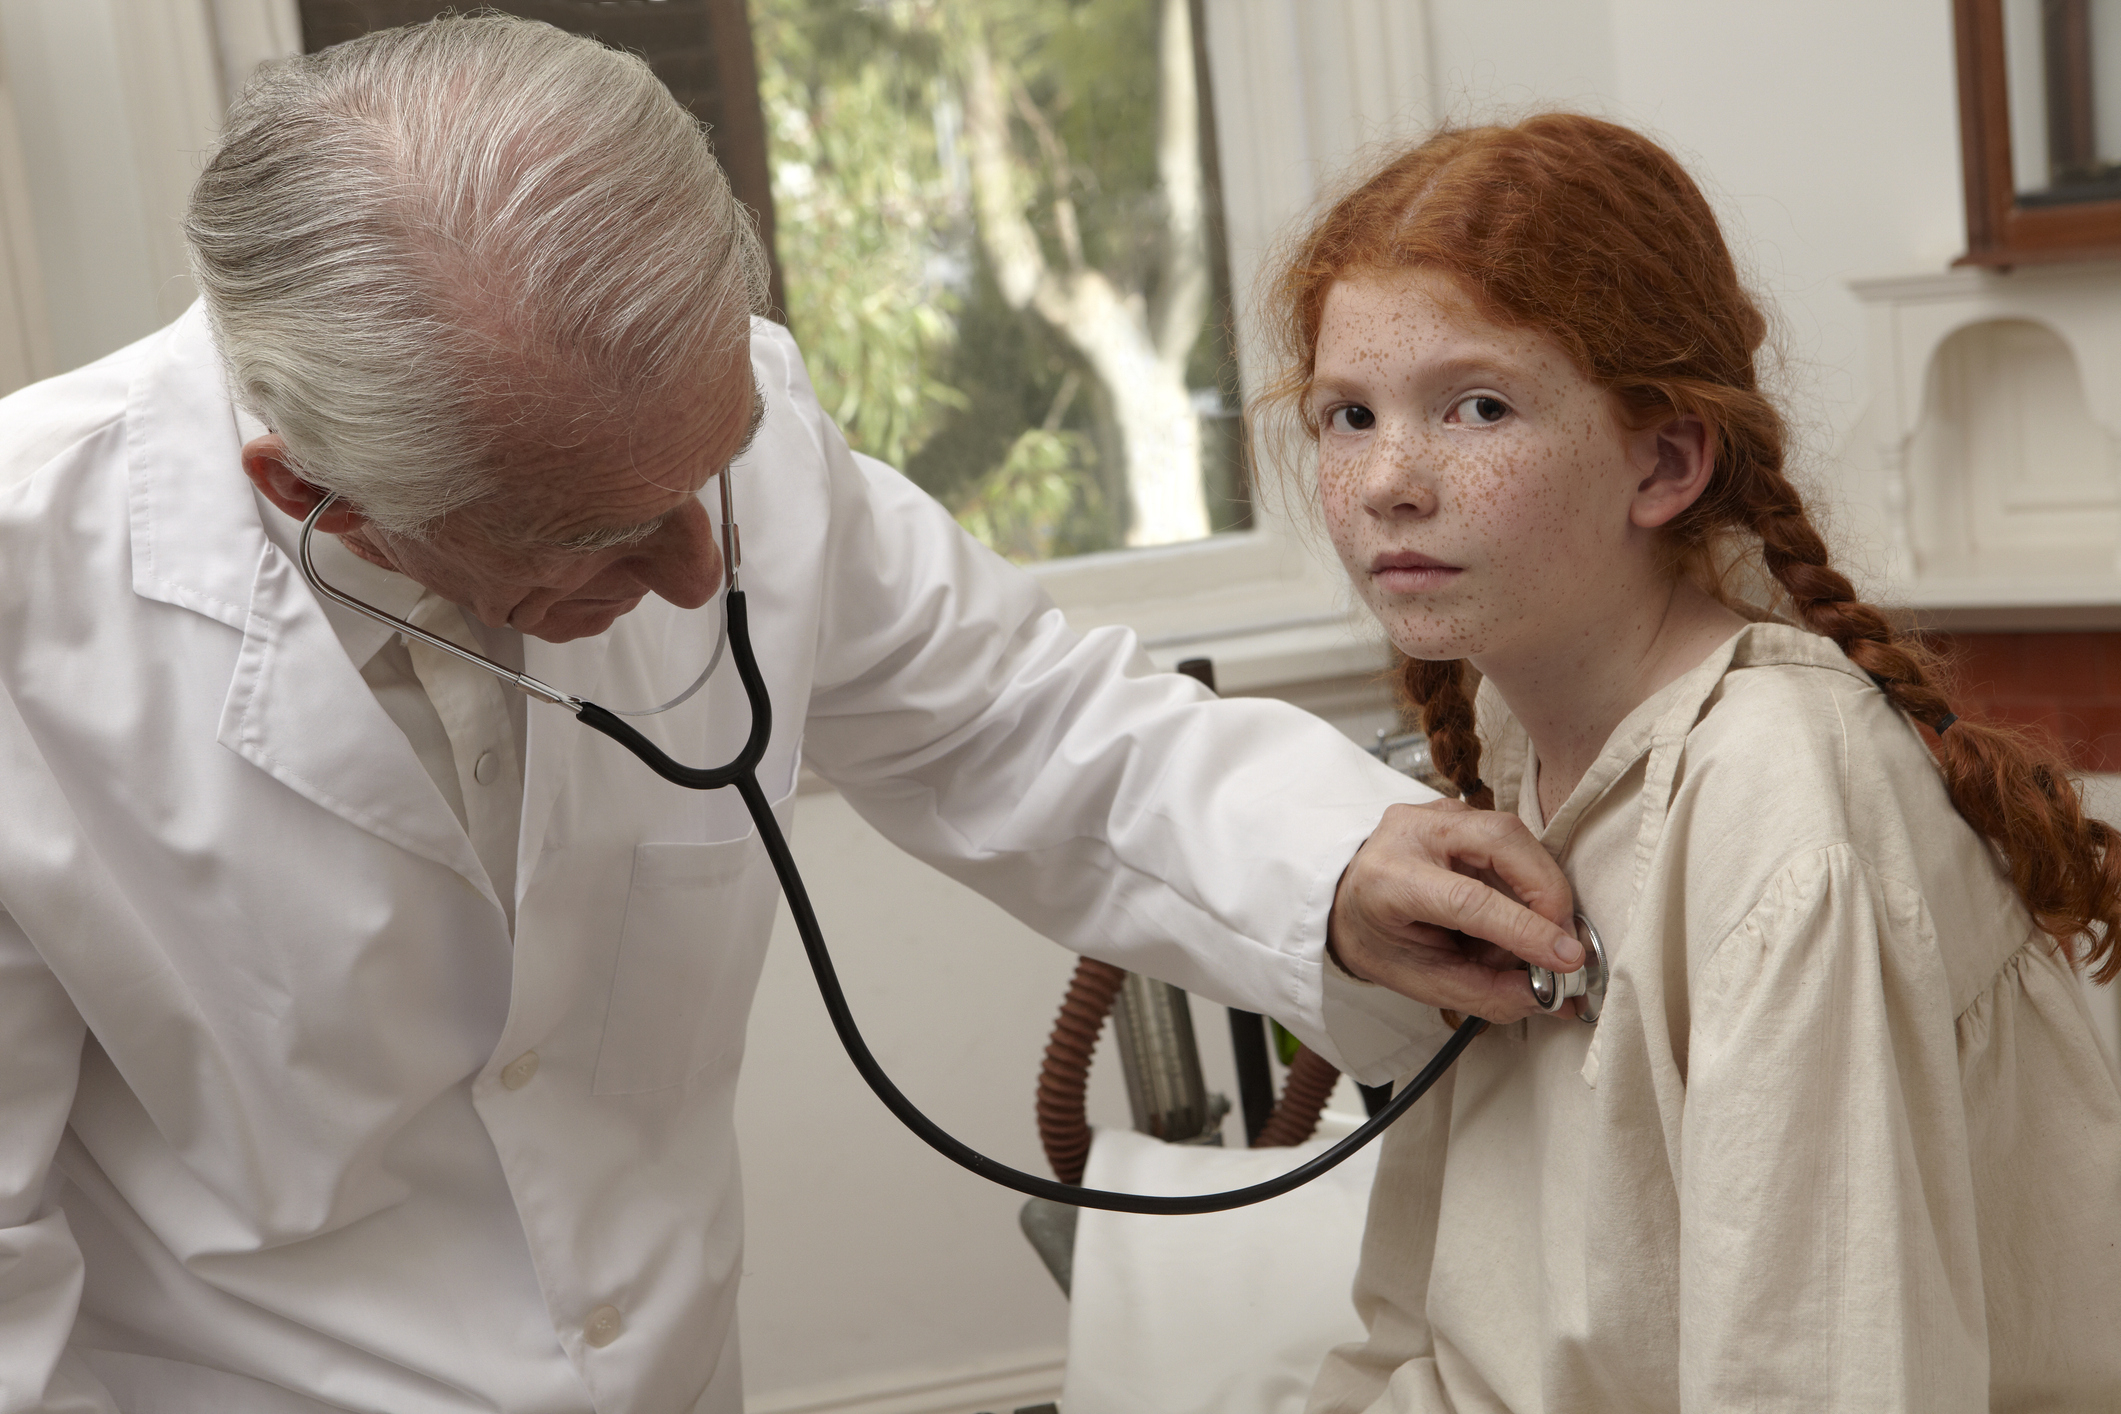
<point x="682" y="561"/>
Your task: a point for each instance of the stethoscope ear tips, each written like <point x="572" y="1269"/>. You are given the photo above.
<point x="1552" y="990"/>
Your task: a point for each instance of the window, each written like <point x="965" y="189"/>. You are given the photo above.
<point x="1004" y="258"/>
<point x="2040" y="129"/>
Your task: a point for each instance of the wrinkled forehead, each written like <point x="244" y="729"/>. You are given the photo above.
<point x="606" y="466"/>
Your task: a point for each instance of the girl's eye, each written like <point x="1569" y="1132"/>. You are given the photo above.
<point x="1481" y="410"/>
<point x="1352" y="417"/>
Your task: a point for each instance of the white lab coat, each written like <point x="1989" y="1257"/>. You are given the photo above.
<point x="283" y="1107"/>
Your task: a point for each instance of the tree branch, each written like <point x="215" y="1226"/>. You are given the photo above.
<point x="1063" y="174"/>
<point x="1184" y="286"/>
<point x="1012" y="246"/>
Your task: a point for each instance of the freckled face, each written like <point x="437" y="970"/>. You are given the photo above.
<point x="1475" y="482"/>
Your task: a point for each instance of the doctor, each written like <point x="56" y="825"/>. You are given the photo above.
<point x="368" y="1037"/>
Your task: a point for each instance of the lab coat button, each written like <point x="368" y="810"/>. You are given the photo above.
<point x="516" y="1074"/>
<point x="604" y="1326"/>
<point x="486" y="768"/>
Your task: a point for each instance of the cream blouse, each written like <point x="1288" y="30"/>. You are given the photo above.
<point x="1843" y="1138"/>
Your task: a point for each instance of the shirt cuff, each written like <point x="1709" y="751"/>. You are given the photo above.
<point x="1377" y="1034"/>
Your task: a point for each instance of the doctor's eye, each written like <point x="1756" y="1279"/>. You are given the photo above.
<point x="1480" y="410"/>
<point x="1351" y="417"/>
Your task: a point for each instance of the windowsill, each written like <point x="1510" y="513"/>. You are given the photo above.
<point x="1277" y="656"/>
<point x="1263" y="605"/>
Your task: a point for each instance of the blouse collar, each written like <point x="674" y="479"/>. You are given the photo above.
<point x="1667" y="715"/>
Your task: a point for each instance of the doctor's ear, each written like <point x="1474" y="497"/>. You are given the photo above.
<point x="267" y="464"/>
<point x="1674" y="460"/>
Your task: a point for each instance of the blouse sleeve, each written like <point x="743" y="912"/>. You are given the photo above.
<point x="1828" y="1251"/>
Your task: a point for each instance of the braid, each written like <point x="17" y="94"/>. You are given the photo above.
<point x="1438" y="691"/>
<point x="2016" y="791"/>
<point x="1795" y="554"/>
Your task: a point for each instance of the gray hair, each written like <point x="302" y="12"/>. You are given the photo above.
<point x="425" y="242"/>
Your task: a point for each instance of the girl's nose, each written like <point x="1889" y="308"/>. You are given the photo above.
<point x="1396" y="481"/>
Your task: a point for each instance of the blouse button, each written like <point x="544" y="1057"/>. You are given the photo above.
<point x="486" y="768"/>
<point x="516" y="1074"/>
<point x="604" y="1326"/>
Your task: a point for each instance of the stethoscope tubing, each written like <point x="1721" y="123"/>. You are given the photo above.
<point x="742" y="773"/>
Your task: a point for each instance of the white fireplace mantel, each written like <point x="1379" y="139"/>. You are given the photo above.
<point x="1988" y="463"/>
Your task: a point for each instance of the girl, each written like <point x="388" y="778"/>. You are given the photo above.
<point x="1841" y="1137"/>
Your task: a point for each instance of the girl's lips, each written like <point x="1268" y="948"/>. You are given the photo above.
<point x="1406" y="572"/>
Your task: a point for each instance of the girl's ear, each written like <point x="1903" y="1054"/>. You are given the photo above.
<point x="266" y="463"/>
<point x="1675" y="460"/>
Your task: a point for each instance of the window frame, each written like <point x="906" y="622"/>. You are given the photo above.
<point x="1297" y="91"/>
<point x="1999" y="231"/>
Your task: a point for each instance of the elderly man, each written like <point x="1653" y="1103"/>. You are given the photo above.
<point x="368" y="1039"/>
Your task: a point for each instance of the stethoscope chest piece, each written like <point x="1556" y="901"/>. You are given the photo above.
<point x="1552" y="990"/>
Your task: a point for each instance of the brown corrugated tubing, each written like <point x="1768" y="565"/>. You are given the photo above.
<point x="1062" y="1127"/>
<point x="1311" y="1081"/>
<point x="1064" y="1076"/>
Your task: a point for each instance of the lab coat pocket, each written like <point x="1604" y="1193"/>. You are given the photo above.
<point x="697" y="920"/>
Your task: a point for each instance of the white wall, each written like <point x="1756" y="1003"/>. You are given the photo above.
<point x="95" y="84"/>
<point x="1486" y="55"/>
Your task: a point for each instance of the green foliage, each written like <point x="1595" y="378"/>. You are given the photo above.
<point x="1090" y="68"/>
<point x="914" y="351"/>
<point x="861" y="203"/>
<point x="1285" y="1043"/>
<point x="1033" y="505"/>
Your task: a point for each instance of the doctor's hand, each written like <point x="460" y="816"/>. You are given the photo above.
<point x="1430" y="907"/>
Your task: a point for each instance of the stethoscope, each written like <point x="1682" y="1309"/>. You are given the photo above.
<point x="1551" y="990"/>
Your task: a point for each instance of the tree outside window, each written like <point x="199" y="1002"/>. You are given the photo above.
<point x="999" y="240"/>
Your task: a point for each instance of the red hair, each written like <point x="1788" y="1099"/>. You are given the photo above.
<point x="1594" y="236"/>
